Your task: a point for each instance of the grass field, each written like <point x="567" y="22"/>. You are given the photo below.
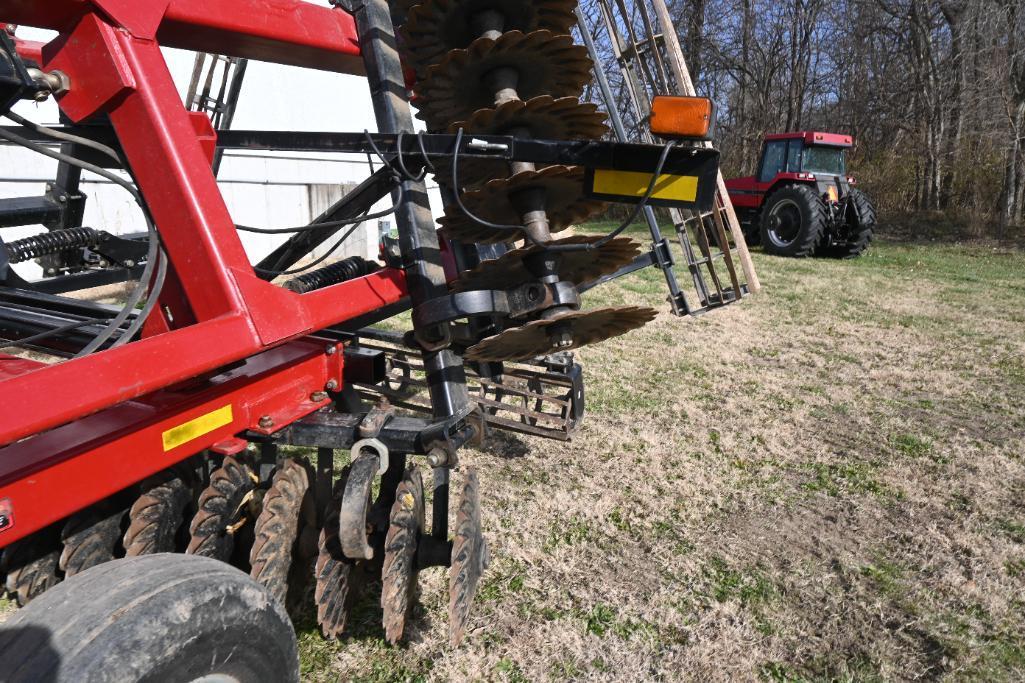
<point x="825" y="482"/>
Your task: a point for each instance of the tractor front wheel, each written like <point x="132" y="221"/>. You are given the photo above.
<point x="793" y="221"/>
<point x="160" y="617"/>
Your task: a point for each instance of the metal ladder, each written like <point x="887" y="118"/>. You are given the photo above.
<point x="214" y="90"/>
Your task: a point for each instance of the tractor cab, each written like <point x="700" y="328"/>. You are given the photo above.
<point x="801" y="200"/>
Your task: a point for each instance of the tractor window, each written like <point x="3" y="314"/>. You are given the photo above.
<point x="772" y="160"/>
<point x="794" y="148"/>
<point x="824" y="160"/>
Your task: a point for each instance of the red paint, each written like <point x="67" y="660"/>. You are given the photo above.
<point x="75" y="432"/>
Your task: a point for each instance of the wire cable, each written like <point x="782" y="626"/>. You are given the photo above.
<point x="316" y="262"/>
<point x="65" y="137"/>
<point x="50" y="333"/>
<point x="151" y="256"/>
<point x="666" y="149"/>
<point x="328" y="224"/>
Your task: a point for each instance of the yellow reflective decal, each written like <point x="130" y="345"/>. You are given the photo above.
<point x="197" y="427"/>
<point x="681" y="188"/>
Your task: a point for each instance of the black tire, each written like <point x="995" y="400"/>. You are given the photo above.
<point x="861" y="225"/>
<point x="793" y="221"/>
<point x="161" y="617"/>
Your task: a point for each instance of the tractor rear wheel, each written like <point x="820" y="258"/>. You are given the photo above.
<point x="160" y="617"/>
<point x="793" y="221"/>
<point x="861" y="223"/>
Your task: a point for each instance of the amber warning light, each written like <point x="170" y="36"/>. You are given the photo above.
<point x="675" y="116"/>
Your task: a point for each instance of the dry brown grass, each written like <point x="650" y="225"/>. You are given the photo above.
<point x="823" y="483"/>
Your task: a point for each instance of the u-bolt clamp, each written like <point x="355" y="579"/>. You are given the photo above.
<point x="369" y="460"/>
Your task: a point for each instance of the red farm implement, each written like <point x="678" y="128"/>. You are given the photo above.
<point x="201" y="416"/>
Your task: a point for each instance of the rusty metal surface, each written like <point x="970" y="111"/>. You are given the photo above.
<point x="469" y="558"/>
<point x="277" y="528"/>
<point x="352" y="521"/>
<point x="585" y="327"/>
<point x="222" y="510"/>
<point x="434" y="27"/>
<point x="399" y="572"/>
<point x="545" y="63"/>
<point x="577" y="267"/>
<point x="565" y="204"/>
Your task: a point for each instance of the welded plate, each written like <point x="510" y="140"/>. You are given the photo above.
<point x="577" y="267"/>
<point x="547" y="64"/>
<point x="585" y="327"/>
<point x="565" y="205"/>
<point x="436" y="26"/>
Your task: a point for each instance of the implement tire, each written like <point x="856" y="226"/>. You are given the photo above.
<point x="160" y="617"/>
<point x="793" y="221"/>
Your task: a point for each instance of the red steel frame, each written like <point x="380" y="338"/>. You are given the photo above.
<point x="214" y="310"/>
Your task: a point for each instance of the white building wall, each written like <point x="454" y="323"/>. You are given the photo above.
<point x="260" y="189"/>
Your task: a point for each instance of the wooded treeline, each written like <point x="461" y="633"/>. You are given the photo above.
<point x="933" y="92"/>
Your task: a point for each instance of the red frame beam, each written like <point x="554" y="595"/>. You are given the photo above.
<point x="223" y="312"/>
<point x="53" y="475"/>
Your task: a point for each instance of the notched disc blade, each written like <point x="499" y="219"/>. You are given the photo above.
<point x="158" y="515"/>
<point x="338" y="578"/>
<point x="577" y="267"/>
<point x="398" y="577"/>
<point x="565" y="204"/>
<point x="585" y="327"/>
<point x="546" y="64"/>
<point x="220" y="507"/>
<point x="30" y="565"/>
<point x="92" y="536"/>
<point x="469" y="558"/>
<point x="436" y="26"/>
<point x="277" y="529"/>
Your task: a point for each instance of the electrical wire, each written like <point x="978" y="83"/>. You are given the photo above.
<point x="316" y="262"/>
<point x="50" y="333"/>
<point x="328" y="224"/>
<point x="666" y="149"/>
<point x="154" y="242"/>
<point x="65" y="137"/>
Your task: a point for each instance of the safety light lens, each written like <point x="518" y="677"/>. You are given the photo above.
<point x="675" y="116"/>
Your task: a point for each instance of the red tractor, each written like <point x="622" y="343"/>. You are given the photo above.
<point x="802" y="201"/>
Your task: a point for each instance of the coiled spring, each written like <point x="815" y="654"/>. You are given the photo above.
<point x="346" y="269"/>
<point x="53" y="242"/>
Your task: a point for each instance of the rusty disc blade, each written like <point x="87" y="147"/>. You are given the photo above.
<point x="582" y="327"/>
<point x="565" y="204"/>
<point x="469" y="558"/>
<point x="545" y="63"/>
<point x="577" y="267"/>
<point x="158" y="515"/>
<point x="543" y="117"/>
<point x="92" y="536"/>
<point x="399" y="571"/>
<point x="436" y="26"/>
<point x="30" y="565"/>
<point x="221" y="505"/>
<point x="277" y="529"/>
<point x="338" y="579"/>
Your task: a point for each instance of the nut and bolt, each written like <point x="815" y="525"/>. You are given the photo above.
<point x="331" y="349"/>
<point x="266" y="422"/>
<point x="318" y="396"/>
<point x="332" y="385"/>
<point x="439" y="457"/>
<point x="129" y="263"/>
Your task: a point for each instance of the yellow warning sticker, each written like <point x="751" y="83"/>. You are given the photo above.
<point x="681" y="188"/>
<point x="196" y="427"/>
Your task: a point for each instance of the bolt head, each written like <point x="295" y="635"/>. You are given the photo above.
<point x="330" y="350"/>
<point x="332" y="385"/>
<point x="266" y="422"/>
